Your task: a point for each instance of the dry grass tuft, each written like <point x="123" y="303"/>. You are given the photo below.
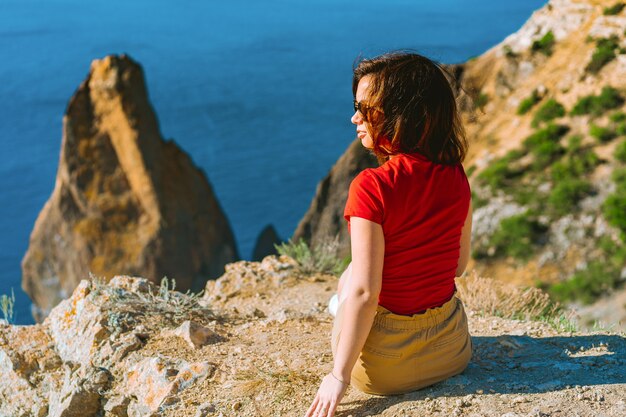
<point x="506" y="300"/>
<point x="280" y="385"/>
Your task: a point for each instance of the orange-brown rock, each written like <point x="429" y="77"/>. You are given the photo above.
<point x="125" y="201"/>
<point x="324" y="218"/>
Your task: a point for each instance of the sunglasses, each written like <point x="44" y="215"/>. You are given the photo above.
<point x="363" y="108"/>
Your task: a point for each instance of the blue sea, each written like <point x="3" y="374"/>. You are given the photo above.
<point x="258" y="93"/>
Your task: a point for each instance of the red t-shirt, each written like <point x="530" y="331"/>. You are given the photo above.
<point x="421" y="207"/>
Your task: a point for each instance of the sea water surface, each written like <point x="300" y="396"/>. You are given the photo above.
<point x="258" y="93"/>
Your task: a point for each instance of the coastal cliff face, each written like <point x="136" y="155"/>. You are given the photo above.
<point x="545" y="118"/>
<point x="125" y="201"/>
<point x="548" y="152"/>
<point x="256" y="343"/>
<point x="324" y="220"/>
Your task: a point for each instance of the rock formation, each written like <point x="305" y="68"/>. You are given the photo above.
<point x="264" y="245"/>
<point x="324" y="218"/>
<point x="125" y="201"/>
<point x="257" y="343"/>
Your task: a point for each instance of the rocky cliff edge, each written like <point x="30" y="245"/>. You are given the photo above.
<point x="256" y="343"/>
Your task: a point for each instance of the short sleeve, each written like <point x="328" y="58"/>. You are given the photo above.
<point x="364" y="198"/>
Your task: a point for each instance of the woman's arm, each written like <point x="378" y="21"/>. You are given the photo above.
<point x="466" y="238"/>
<point x="361" y="300"/>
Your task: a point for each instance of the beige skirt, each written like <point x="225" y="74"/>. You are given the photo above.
<point x="406" y="353"/>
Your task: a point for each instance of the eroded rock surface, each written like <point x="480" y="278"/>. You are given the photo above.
<point x="125" y="200"/>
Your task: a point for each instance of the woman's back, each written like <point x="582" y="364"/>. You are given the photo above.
<point x="422" y="207"/>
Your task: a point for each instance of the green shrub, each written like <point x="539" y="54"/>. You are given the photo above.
<point x="528" y="103"/>
<point x="6" y="306"/>
<point x="567" y="193"/>
<point x="618" y="117"/>
<point x="603" y="134"/>
<point x="501" y="172"/>
<point x="516" y="236"/>
<point x="620" y="151"/>
<point x="574" y="165"/>
<point x="614" y="210"/>
<point x="321" y="258"/>
<point x="574" y="143"/>
<point x="609" y="98"/>
<point x="544" y="45"/>
<point x="620" y="129"/>
<point x="544" y="144"/>
<point x="481" y="100"/>
<point x="604" y="53"/>
<point x="584" y="105"/>
<point x="587" y="285"/>
<point x="598" y="278"/>
<point x="613" y="10"/>
<point x="550" y="133"/>
<point x="549" y="111"/>
<point x="614" y="207"/>
<point x="619" y="178"/>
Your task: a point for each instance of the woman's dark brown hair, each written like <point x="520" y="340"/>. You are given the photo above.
<point x="419" y="111"/>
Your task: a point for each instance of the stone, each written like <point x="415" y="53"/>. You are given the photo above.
<point x="80" y="394"/>
<point x="156" y="381"/>
<point x="194" y="334"/>
<point x="117" y="406"/>
<point x="205" y="409"/>
<point x="78" y="326"/>
<point x="24" y="355"/>
<point x="125" y="201"/>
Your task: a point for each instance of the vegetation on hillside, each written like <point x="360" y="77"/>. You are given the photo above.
<point x="550" y="110"/>
<point x="614" y="9"/>
<point x="318" y="258"/>
<point x="544" y="45"/>
<point x="609" y="98"/>
<point x="6" y="306"/>
<point x="604" y="53"/>
<point x="548" y="176"/>
<point x="529" y="102"/>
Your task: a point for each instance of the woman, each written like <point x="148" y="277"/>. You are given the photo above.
<point x="399" y="326"/>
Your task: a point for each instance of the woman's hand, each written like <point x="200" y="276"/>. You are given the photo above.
<point x="328" y="397"/>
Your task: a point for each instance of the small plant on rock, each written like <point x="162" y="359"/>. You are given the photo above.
<point x="517" y="236"/>
<point x="528" y="103"/>
<point x="320" y="258"/>
<point x="544" y="44"/>
<point x="614" y="9"/>
<point x="602" y="134"/>
<point x="482" y="100"/>
<point x="614" y="207"/>
<point x="6" y="305"/>
<point x="550" y="110"/>
<point x="501" y="172"/>
<point x="620" y="152"/>
<point x="608" y="99"/>
<point x="544" y="145"/>
<point x="598" y="278"/>
<point x="604" y="53"/>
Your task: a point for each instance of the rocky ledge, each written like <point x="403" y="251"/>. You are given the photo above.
<point x="256" y="343"/>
